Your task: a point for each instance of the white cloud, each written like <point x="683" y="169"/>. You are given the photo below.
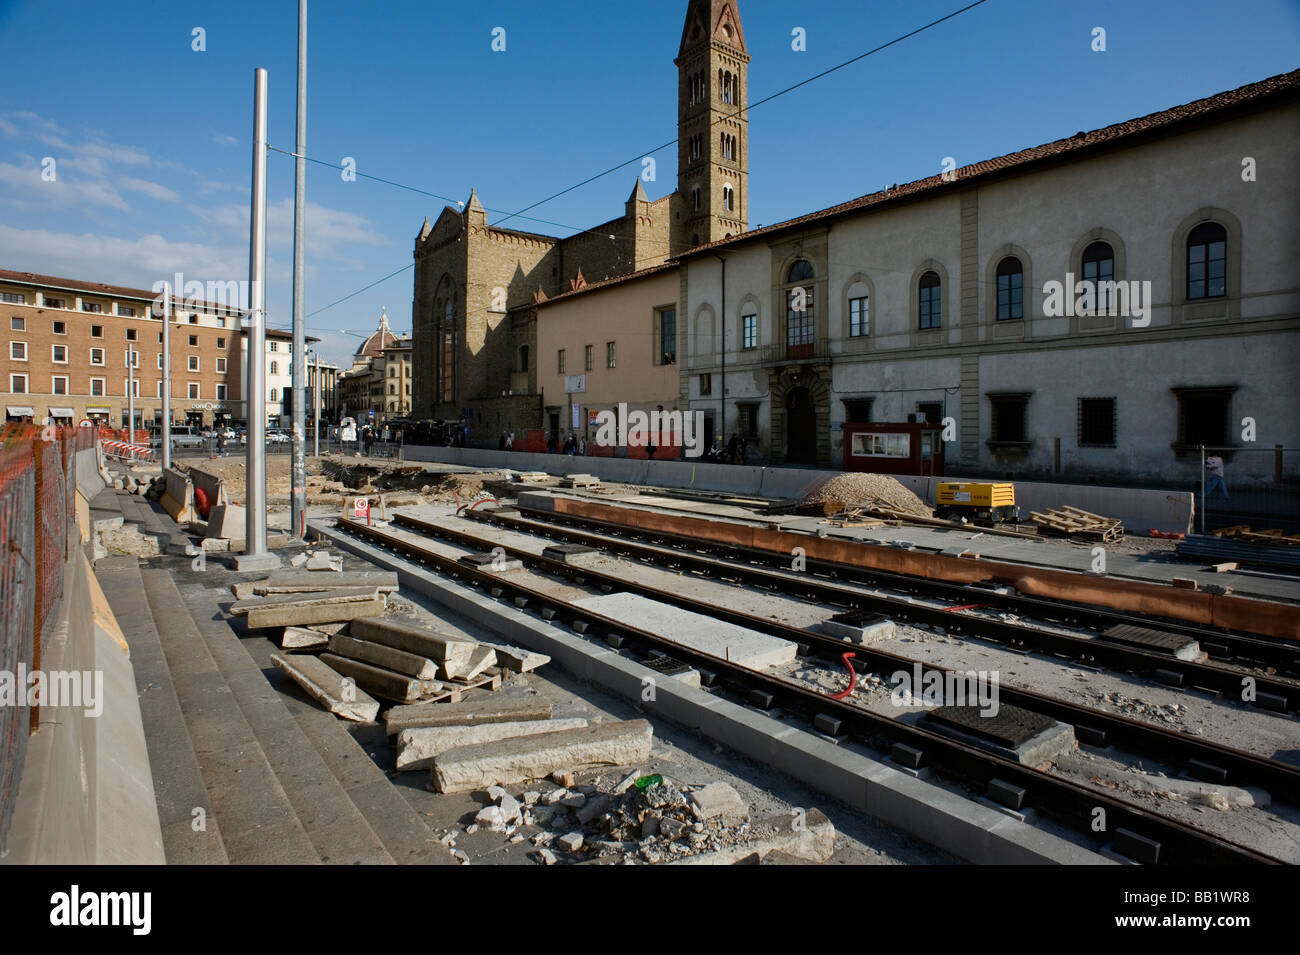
<point x="151" y="189"/>
<point x="27" y="184"/>
<point x="221" y="139"/>
<point x="135" y="262"/>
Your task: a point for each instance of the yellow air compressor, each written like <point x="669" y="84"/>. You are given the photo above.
<point x="985" y="502"/>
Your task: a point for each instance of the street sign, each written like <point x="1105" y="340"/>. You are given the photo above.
<point x="576" y="415"/>
<point x="361" y="509"/>
<point x="85" y="423"/>
<point x="575" y="384"/>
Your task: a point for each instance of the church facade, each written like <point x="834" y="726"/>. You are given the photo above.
<point x="477" y="286"/>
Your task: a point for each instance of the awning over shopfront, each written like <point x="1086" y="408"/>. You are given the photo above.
<point x="20" y="411"/>
<point x="60" y="412"/>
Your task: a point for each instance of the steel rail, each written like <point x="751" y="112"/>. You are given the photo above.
<point x="1203" y="757"/>
<point x="1282" y="693"/>
<point x="1219" y="643"/>
<point x="1169" y="841"/>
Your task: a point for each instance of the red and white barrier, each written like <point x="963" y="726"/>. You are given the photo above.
<point x="124" y="449"/>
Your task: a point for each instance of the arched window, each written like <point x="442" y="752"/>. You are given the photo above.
<point x="695" y="197"/>
<point x="1011" y="289"/>
<point x="800" y="317"/>
<point x="930" y="290"/>
<point x="275" y="368"/>
<point x="1098" y="268"/>
<point x="720" y="87"/>
<point x="1207" y="261"/>
<point x="728" y="199"/>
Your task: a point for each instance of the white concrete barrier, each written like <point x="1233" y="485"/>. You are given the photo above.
<point x="1140" y="509"/>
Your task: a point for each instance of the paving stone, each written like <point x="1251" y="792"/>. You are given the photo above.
<point x="302" y="638"/>
<point x="326" y="686"/>
<point x="416" y="748"/>
<point x="376" y="654"/>
<point x="718" y="800"/>
<point x="529" y="757"/>
<point x="465" y="714"/>
<point x="454" y="653"/>
<point x="301" y="615"/>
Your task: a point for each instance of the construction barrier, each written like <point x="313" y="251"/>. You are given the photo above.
<point x="37" y="523"/>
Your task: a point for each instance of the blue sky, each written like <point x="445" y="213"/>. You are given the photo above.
<point x="152" y="139"/>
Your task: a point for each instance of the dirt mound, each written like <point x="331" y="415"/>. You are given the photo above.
<point x="865" y="490"/>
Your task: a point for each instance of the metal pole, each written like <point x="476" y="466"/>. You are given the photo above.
<point x="167" y="380"/>
<point x="315" y="405"/>
<point x="255" y="462"/>
<point x="298" y="367"/>
<point x="1203" y="500"/>
<point x="130" y="400"/>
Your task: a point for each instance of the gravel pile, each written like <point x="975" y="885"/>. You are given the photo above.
<point x="864" y="490"/>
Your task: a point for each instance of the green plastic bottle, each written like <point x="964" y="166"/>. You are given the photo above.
<point x="645" y="782"/>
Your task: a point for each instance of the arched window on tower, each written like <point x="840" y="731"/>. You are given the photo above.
<point x="728" y="199"/>
<point x="695" y="197"/>
<point x="727" y="88"/>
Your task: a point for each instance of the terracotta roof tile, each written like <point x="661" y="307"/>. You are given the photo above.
<point x="1154" y="123"/>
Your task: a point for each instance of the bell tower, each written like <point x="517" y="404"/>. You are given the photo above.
<point x="712" y="122"/>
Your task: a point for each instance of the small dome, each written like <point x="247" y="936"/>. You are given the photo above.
<point x="380" y="338"/>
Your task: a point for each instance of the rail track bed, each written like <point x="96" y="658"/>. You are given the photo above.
<point x="1064" y="800"/>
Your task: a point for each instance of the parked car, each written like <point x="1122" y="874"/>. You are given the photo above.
<point x="185" y="436"/>
<point x="276" y="437"/>
<point x="227" y="433"/>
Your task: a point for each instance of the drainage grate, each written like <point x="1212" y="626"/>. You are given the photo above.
<point x="1147" y="638"/>
<point x="665" y="665"/>
<point x="1010" y="727"/>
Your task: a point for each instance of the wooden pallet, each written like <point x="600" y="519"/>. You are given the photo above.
<point x="489" y="679"/>
<point x="1244" y="532"/>
<point x="1076" y="522"/>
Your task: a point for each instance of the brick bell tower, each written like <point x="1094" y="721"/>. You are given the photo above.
<point x="712" y="124"/>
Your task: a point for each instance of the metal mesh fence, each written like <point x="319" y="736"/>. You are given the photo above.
<point x="1256" y="490"/>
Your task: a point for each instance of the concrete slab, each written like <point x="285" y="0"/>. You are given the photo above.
<point x="515" y="760"/>
<point x="519" y="659"/>
<point x="376" y="654"/>
<point x="377" y="680"/>
<point x="475" y="713"/>
<point x="416" y="748"/>
<point x="304" y="615"/>
<point x="305" y="581"/>
<point x="256" y="563"/>
<point x="454" y="653"/>
<point x="695" y="630"/>
<point x="303" y="638"/>
<point x="229" y="521"/>
<point x="334" y="595"/>
<point x="327" y="687"/>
